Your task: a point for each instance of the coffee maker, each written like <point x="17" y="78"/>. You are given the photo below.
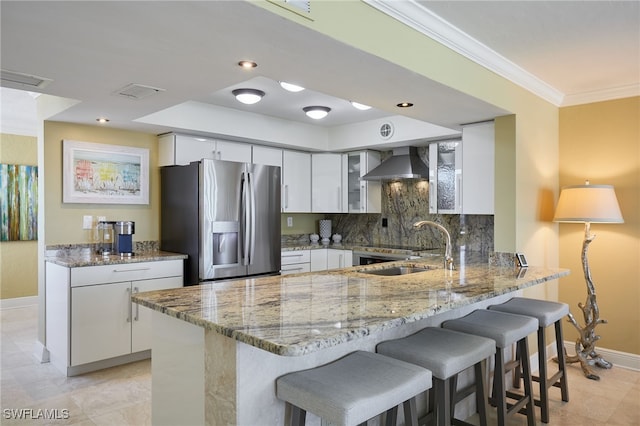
<point x="123" y="241"/>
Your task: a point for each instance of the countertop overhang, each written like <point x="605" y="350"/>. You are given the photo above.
<point x="299" y="314"/>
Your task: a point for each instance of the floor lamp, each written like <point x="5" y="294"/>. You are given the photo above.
<point x="588" y="204"/>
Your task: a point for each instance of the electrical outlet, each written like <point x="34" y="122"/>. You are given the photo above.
<point x="289" y="222"/>
<point x="87" y="222"/>
<point x="384" y="222"/>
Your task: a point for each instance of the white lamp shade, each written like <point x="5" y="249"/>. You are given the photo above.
<point x="588" y="203"/>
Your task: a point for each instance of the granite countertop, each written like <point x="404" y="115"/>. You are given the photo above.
<point x="383" y="249"/>
<point x="85" y="257"/>
<point x="298" y="314"/>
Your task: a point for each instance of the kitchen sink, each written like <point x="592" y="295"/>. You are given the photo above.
<point x="396" y="270"/>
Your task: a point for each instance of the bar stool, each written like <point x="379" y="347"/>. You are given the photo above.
<point x="446" y="353"/>
<point x="505" y="329"/>
<point x="547" y="313"/>
<point x="353" y="389"/>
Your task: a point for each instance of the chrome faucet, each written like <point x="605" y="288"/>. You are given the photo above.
<point x="448" y="258"/>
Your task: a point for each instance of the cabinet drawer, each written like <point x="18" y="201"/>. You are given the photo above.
<point x="295" y="268"/>
<point x="295" y="256"/>
<point x="90" y="275"/>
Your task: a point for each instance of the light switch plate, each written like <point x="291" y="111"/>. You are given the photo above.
<point x="87" y="222"/>
<point x="289" y="222"/>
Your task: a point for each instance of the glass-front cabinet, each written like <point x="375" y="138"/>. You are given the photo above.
<point x="445" y="177"/>
<point x="361" y="196"/>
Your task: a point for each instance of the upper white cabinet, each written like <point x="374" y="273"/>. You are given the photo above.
<point x="361" y="196"/>
<point x="266" y="155"/>
<point x="461" y="173"/>
<point x="296" y="181"/>
<point x="478" y="163"/>
<point x="326" y="183"/>
<point x="176" y="149"/>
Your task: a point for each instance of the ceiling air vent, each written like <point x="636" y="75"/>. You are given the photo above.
<point x="137" y="91"/>
<point x="23" y="81"/>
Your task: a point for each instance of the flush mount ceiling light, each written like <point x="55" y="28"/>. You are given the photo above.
<point x="404" y="105"/>
<point x="102" y="120"/>
<point x="361" y="107"/>
<point x="248" y="96"/>
<point x="291" y="87"/>
<point x="247" y="64"/>
<point x="316" y="112"/>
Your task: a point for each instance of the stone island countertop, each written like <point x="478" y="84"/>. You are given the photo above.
<point x="299" y="314"/>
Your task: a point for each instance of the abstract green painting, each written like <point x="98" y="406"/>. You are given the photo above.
<point x="18" y="202"/>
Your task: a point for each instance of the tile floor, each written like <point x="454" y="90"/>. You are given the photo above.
<point x="122" y="395"/>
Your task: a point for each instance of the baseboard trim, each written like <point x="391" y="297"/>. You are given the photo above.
<point x="18" y="302"/>
<point x="617" y="358"/>
<point x="40" y="352"/>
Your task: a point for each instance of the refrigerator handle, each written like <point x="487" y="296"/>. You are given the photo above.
<point x="252" y="192"/>
<point x="245" y="218"/>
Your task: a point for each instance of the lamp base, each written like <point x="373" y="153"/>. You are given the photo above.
<point x="586" y="353"/>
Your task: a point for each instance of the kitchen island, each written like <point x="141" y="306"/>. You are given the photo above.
<point x="218" y="348"/>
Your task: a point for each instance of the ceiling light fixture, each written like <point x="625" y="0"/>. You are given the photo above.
<point x="316" y="112"/>
<point x="248" y="96"/>
<point x="102" y="120"/>
<point x="247" y="64"/>
<point x="361" y="107"/>
<point x="404" y="105"/>
<point x="291" y="87"/>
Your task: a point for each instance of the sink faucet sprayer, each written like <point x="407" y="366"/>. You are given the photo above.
<point x="448" y="259"/>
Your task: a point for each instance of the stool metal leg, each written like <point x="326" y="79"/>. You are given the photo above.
<point x="410" y="412"/>
<point x="298" y="416"/>
<point x="543" y="375"/>
<point x="528" y="383"/>
<point x="562" y="363"/>
<point x="391" y="416"/>
<point x="481" y="391"/>
<point x="499" y="388"/>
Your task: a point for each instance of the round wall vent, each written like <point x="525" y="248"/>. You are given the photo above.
<point x="386" y="130"/>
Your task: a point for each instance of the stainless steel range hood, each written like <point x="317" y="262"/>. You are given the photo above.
<point x="403" y="164"/>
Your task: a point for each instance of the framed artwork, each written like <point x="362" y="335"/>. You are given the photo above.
<point x="18" y="202"/>
<point x="104" y="174"/>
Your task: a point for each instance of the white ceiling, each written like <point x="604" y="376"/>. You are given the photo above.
<point x="563" y="51"/>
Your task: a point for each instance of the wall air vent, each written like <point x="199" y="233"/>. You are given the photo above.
<point x="137" y="91"/>
<point x="18" y="80"/>
<point x="386" y="130"/>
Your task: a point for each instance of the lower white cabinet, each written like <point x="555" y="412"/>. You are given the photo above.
<point x="321" y="259"/>
<point x="90" y="319"/>
<point x="337" y="259"/>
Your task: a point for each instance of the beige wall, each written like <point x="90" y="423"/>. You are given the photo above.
<point x="18" y="259"/>
<point x="530" y="145"/>
<point x="601" y="142"/>
<point x="63" y="222"/>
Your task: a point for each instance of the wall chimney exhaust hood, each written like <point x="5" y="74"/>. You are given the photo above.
<point x="403" y="164"/>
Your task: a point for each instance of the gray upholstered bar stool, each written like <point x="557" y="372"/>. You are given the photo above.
<point x="354" y="389"/>
<point x="547" y="313"/>
<point x="505" y="329"/>
<point x="446" y="353"/>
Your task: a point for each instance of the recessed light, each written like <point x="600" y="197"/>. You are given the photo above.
<point x="291" y="87"/>
<point x="247" y="64"/>
<point x="316" y="112"/>
<point x="361" y="107"/>
<point x="102" y="120"/>
<point x="248" y="96"/>
<point x="404" y="105"/>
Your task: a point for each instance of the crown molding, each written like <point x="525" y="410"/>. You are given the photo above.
<point x="628" y="91"/>
<point x="428" y="23"/>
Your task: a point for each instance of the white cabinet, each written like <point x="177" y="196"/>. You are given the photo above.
<point x="445" y="177"/>
<point x="461" y="173"/>
<point x="318" y="260"/>
<point x="266" y="155"/>
<point x="295" y="261"/>
<point x="91" y="322"/>
<point x="326" y="183"/>
<point x="176" y="149"/>
<point x="337" y="259"/>
<point x="478" y="163"/>
<point x="361" y="196"/>
<point x="296" y="181"/>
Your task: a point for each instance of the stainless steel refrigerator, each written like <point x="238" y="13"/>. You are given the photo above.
<point x="224" y="215"/>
